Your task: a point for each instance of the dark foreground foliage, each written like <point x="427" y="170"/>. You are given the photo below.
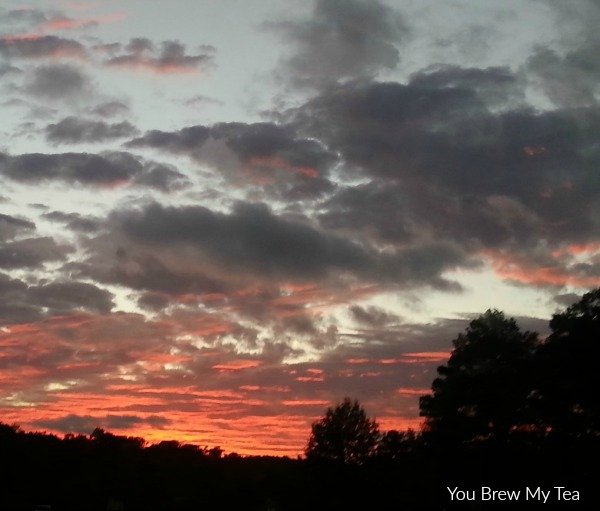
<point x="106" y="472"/>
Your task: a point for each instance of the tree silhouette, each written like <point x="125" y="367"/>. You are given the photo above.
<point x="567" y="371"/>
<point x="394" y="444"/>
<point x="345" y="434"/>
<point x="482" y="393"/>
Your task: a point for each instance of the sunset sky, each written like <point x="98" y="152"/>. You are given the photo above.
<point x="219" y="217"/>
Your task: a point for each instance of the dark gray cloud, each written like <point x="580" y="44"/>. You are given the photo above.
<point x="74" y="221"/>
<point x="73" y="423"/>
<point x="251" y="238"/>
<point x="165" y="178"/>
<point x="391" y="213"/>
<point x="11" y="226"/>
<point x="35" y="111"/>
<point x="154" y="301"/>
<point x="169" y="57"/>
<point x="22" y="16"/>
<point x="570" y="79"/>
<point x="31" y="253"/>
<point x="566" y="299"/>
<point x="344" y="39"/>
<point x="200" y="100"/>
<point x="568" y="73"/>
<point x="375" y="210"/>
<point x="41" y="47"/>
<point x="14" y="306"/>
<point x="192" y="249"/>
<point x="494" y="86"/>
<point x="265" y="155"/>
<point x="105" y="169"/>
<point x="68" y="296"/>
<point x="58" y="81"/>
<point x="84" y="168"/>
<point x="110" y="109"/>
<point x="21" y="302"/>
<point x="143" y="271"/>
<point x="71" y="130"/>
<point x="441" y="159"/>
<point x="185" y="141"/>
<point x="373" y="316"/>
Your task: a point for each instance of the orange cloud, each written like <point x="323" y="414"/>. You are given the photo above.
<point x="387" y="423"/>
<point x="582" y="248"/>
<point x="142" y="378"/>
<point x="425" y="357"/>
<point x="237" y="365"/>
<point x="305" y="402"/>
<point x="421" y="357"/>
<point x="412" y="392"/>
<point x="305" y="379"/>
<point x="279" y="163"/>
<point x="66" y="23"/>
<point x="357" y="361"/>
<point x="531" y="150"/>
<point x="517" y="269"/>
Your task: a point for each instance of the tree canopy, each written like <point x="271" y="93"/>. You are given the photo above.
<point x="345" y="434"/>
<point x="567" y="376"/>
<point x="481" y="393"/>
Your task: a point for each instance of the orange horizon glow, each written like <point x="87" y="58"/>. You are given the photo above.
<point x="251" y="435"/>
<point x="135" y="376"/>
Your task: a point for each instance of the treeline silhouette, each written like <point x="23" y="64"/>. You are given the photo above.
<point x="508" y="410"/>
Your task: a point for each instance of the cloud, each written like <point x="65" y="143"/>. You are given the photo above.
<point x="58" y="81"/>
<point x="60" y="21"/>
<point x="11" y="226"/>
<point x="344" y="39"/>
<point x="84" y="168"/>
<point x="570" y="79"/>
<point x="164" y="178"/>
<point x="68" y="296"/>
<point x="106" y="169"/>
<point x="123" y="372"/>
<point x="251" y="261"/>
<point x="22" y="302"/>
<point x="8" y="70"/>
<point x="453" y="155"/>
<point x="72" y="130"/>
<point x="31" y="253"/>
<point x="568" y="72"/>
<point x="265" y="156"/>
<point x="252" y="239"/>
<point x="201" y="101"/>
<point x="555" y="273"/>
<point x="566" y="299"/>
<point x="74" y="221"/>
<point x="45" y="20"/>
<point x="110" y="109"/>
<point x="40" y="47"/>
<point x="372" y="316"/>
<point x="169" y="58"/>
<point x="73" y="423"/>
<point x="494" y="86"/>
<point x="22" y="16"/>
<point x="249" y="239"/>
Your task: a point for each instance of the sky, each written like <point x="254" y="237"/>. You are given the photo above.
<point x="218" y="218"/>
